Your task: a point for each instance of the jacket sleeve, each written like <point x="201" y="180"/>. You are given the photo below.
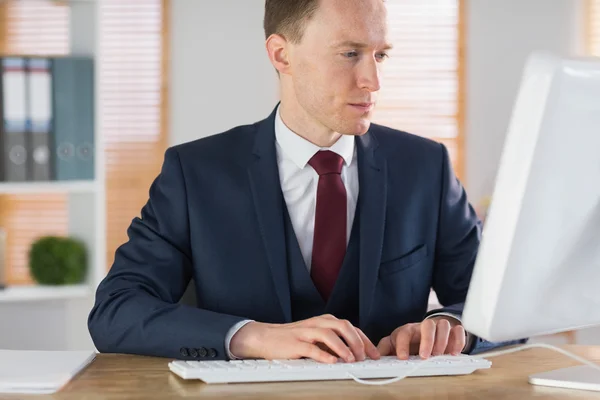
<point x="136" y="309"/>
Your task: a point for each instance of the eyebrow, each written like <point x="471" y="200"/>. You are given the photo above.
<point x="349" y="43"/>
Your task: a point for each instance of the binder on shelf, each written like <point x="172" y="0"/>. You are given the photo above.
<point x="85" y="149"/>
<point x="14" y="119"/>
<point x="73" y="117"/>
<point x="39" y="102"/>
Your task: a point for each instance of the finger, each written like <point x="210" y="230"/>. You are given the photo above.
<point x="428" y="328"/>
<point x="385" y="346"/>
<point x="356" y="343"/>
<point x="442" y="334"/>
<point x="403" y="337"/>
<point x="370" y="348"/>
<point x="348" y="332"/>
<point x="313" y="351"/>
<point x="331" y="340"/>
<point x="456" y="340"/>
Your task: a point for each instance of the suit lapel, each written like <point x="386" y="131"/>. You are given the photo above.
<point x="263" y="174"/>
<point x="372" y="173"/>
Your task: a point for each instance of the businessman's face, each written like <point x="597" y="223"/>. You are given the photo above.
<point x="336" y="67"/>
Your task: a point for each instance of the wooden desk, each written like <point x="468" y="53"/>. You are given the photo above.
<point x="132" y="377"/>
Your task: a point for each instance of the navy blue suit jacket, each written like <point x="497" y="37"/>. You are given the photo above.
<point x="215" y="214"/>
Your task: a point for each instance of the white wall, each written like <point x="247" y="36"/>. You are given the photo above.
<point x="220" y="74"/>
<point x="501" y="34"/>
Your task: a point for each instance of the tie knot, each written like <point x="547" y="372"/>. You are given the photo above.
<point x="327" y="162"/>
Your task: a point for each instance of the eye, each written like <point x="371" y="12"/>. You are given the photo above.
<point x="382" y="56"/>
<point x="350" y="54"/>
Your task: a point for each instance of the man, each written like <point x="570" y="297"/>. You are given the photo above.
<point x="313" y="233"/>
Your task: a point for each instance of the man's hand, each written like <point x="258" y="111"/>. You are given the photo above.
<point x="434" y="336"/>
<point x="319" y="338"/>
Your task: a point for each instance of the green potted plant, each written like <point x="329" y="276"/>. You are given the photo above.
<point x="57" y="260"/>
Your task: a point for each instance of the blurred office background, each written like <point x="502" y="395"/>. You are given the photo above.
<point x="171" y="71"/>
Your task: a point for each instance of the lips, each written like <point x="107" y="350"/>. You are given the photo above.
<point x="364" y="107"/>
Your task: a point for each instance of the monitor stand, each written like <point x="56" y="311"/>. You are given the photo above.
<point x="582" y="377"/>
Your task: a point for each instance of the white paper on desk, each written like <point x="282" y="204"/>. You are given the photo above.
<point x="40" y="372"/>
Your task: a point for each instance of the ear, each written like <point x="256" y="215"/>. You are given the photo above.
<point x="278" y="51"/>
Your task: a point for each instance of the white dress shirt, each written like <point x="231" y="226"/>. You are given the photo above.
<point x="299" y="183"/>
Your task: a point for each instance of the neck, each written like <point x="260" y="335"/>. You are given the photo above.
<point x="299" y="122"/>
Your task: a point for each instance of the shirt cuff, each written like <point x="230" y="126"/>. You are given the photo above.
<point x="469" y="337"/>
<point x="232" y="331"/>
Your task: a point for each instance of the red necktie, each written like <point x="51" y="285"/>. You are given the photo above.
<point x="329" y="243"/>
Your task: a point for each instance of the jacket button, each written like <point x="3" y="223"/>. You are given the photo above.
<point x="212" y="353"/>
<point x="202" y="352"/>
<point x="184" y="352"/>
<point x="193" y="353"/>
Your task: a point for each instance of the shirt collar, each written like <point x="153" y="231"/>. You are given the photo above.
<point x="300" y="150"/>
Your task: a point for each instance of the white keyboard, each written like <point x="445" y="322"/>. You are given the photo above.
<point x="238" y="371"/>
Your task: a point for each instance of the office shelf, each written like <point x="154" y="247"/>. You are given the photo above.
<point x="48" y="187"/>
<point x="55" y="317"/>
<point x="43" y="293"/>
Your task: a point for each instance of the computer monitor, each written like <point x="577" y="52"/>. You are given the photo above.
<point x="538" y="266"/>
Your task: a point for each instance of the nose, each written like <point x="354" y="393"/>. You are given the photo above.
<point x="369" y="75"/>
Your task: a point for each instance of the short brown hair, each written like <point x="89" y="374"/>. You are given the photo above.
<point x="288" y="17"/>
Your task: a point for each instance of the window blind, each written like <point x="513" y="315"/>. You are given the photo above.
<point x="133" y="104"/>
<point x="422" y="80"/>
